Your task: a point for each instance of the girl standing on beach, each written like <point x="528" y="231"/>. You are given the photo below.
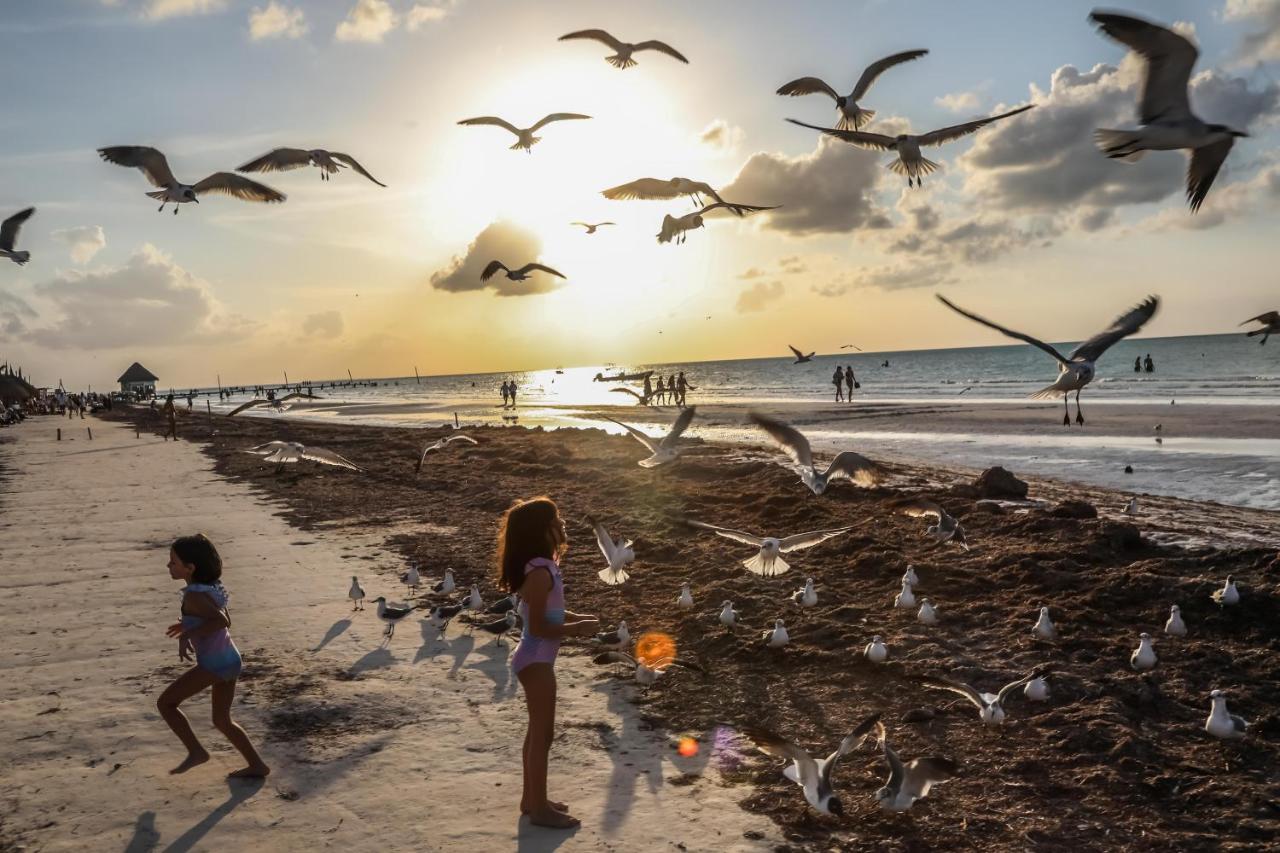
<point x="531" y="541"/>
<point x="204" y="630"/>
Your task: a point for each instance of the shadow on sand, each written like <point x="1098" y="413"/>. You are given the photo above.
<point x="335" y="631"/>
<point x="540" y="839"/>
<point x="240" y="790"/>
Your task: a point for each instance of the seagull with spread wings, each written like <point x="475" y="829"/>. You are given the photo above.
<point x="990" y="707"/>
<point x="665" y="449"/>
<point x="155" y="167"/>
<point x="1167" y="122"/>
<point x="677" y="227"/>
<point x="517" y="274"/>
<point x="801" y="358"/>
<point x="852" y="116"/>
<point x="845" y="466"/>
<point x="945" y="527"/>
<point x="622" y="50"/>
<point x="618" y="555"/>
<point x="437" y="446"/>
<point x="592" y="226"/>
<point x="911" y="781"/>
<point x="524" y="136"/>
<point x="910" y="161"/>
<point x="280" y="404"/>
<point x="328" y="162"/>
<point x="812" y="775"/>
<point x="647" y="671"/>
<point x="1078" y="369"/>
<point x="9" y="236"/>
<point x="1270" y="322"/>
<point x="651" y="189"/>
<point x="642" y="399"/>
<point x="768" y="563"/>
<point x="289" y="452"/>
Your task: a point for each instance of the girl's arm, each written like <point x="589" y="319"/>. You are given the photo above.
<point x="534" y="591"/>
<point x="214" y="619"/>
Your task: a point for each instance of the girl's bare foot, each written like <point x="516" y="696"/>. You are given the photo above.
<point x="192" y="760"/>
<point x="253" y="771"/>
<point x="560" y="807"/>
<point x="549" y="817"/>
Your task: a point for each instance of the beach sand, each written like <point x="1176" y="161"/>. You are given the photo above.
<point x="411" y="747"/>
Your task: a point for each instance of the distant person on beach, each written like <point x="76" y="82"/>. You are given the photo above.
<point x="886" y="363"/>
<point x="671" y="390"/>
<point x="1149" y="365"/>
<point x="660" y="392"/>
<point x="204" y="630"/>
<point x="171" y="415"/>
<point x="648" y="388"/>
<point x="837" y="380"/>
<point x="1137" y="364"/>
<point x="850" y="382"/>
<point x="531" y="541"/>
<point x="506" y="395"/>
<point x="682" y="388"/>
<point x="511" y="389"/>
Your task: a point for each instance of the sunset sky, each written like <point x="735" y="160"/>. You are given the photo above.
<point x="1026" y="223"/>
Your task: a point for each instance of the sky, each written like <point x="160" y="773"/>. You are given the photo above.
<point x="1025" y="223"/>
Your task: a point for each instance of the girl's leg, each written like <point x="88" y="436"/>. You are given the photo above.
<point x="188" y="684"/>
<point x="539" y="682"/>
<point x="255" y="767"/>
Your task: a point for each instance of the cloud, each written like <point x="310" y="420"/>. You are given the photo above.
<point x="275" y="20"/>
<point x="368" y="21"/>
<point x="720" y="136"/>
<point x="793" y="264"/>
<point x="959" y="102"/>
<point x="502" y="241"/>
<point x="1261" y="44"/>
<point x="13" y="313"/>
<point x="326" y="324"/>
<point x="421" y="15"/>
<point x="905" y="276"/>
<point x="1256" y="197"/>
<point x="148" y="301"/>
<point x="158" y="10"/>
<point x="753" y="272"/>
<point x="759" y="295"/>
<point x="828" y="191"/>
<point x="85" y="241"/>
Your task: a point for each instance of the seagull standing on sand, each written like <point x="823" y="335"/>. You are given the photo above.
<point x="1037" y="690"/>
<point x="517" y="274"/>
<point x="876" y="651"/>
<point x="990" y="707"/>
<point x="768" y="562"/>
<point x="328" y="162"/>
<point x="677" y="227"/>
<point x="1270" y="323"/>
<point x="1131" y="508"/>
<point x="801" y="358"/>
<point x="621" y="57"/>
<point x="620" y="638"/>
<point x="1076" y="370"/>
<point x="440" y="617"/>
<point x="446" y="586"/>
<point x="525" y="140"/>
<point x="1044" y="629"/>
<point x="906" y="599"/>
<point x="1175" y="626"/>
<point x="728" y="616"/>
<point x="502" y="605"/>
<point x="845" y="466"/>
<point x="1165" y="110"/>
<point x="909" y="782"/>
<point x="170" y="190"/>
<point x="290" y="452"/>
<point x="473" y="601"/>
<point x="658" y="189"/>
<point x="618" y="556"/>
<point x="1221" y="724"/>
<point x="437" y="446"/>
<point x="391" y="615"/>
<point x="1228" y="594"/>
<point x="9" y="236"/>
<point x="944" y="529"/>
<point x="909" y="576"/>
<point x="1143" y="657"/>
<point x="778" y="637"/>
<point x="927" y="615"/>
<point x="685" y="599"/>
<point x="411" y="578"/>
<point x="499" y="628"/>
<point x="356" y="594"/>
<point x="806" y="596"/>
<point x="812" y="775"/>
<point x="662" y="450"/>
<point x="591" y="227"/>
<point x="851" y="115"/>
<point x="907" y="145"/>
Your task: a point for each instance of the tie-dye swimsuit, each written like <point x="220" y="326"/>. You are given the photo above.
<point x="532" y="648"/>
<point x="215" y="653"/>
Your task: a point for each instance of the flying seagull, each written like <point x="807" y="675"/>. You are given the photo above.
<point x="910" y="162"/>
<point x="518" y="274"/>
<point x="1270" y="321"/>
<point x="845" y="466"/>
<point x="591" y="227"/>
<point x="621" y="57"/>
<point x="657" y="189"/>
<point x="944" y="529"/>
<point x="990" y="707"/>
<point x="646" y="672"/>
<point x="524" y="137"/>
<point x="801" y="358"/>
<point x="812" y="775"/>
<point x="279" y="404"/>
<point x="1165" y="111"/>
<point x="441" y="445"/>
<point x="642" y="399"/>
<point x="284" y="159"/>
<point x="851" y="346"/>
<point x="1076" y="370"/>
<point x="677" y="227"/>
<point x="1222" y="724"/>
<point x="618" y="556"/>
<point x="9" y="236"/>
<point x="661" y="450"/>
<point x="153" y="164"/>
<point x="851" y="115"/>
<point x="289" y="452"/>
<point x="911" y="781"/>
<point x="768" y="563"/>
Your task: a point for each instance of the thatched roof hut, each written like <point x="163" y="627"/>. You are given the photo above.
<point x="14" y="389"/>
<point x="138" y="378"/>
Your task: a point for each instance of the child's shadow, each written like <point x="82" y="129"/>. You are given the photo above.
<point x="146" y="837"/>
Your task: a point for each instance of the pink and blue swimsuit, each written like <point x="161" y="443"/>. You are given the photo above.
<point x="532" y="648"/>
<point x="215" y="653"/>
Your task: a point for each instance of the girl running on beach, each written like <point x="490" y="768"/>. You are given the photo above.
<point x="204" y="630"/>
<point x="531" y="541"/>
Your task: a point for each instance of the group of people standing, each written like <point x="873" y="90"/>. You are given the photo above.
<point x="844" y="378"/>
<point x="1140" y="364"/>
<point x="509" y="394"/>
<point x="671" y="393"/>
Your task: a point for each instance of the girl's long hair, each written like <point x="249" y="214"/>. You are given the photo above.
<point x="529" y="529"/>
<point x="198" y="551"/>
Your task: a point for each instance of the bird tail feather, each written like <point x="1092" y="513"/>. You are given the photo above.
<point x="613" y="577"/>
<point x="1119" y="144"/>
<point x="158" y="195"/>
<point x="859" y="118"/>
<point x="1048" y="392"/>
<point x="756" y="565"/>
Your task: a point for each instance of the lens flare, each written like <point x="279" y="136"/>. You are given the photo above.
<point x="655" y="648"/>
<point x="688" y="747"/>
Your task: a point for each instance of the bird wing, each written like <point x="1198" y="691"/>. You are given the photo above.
<point x="9" y="231"/>
<point x="556" y="117"/>
<point x="493" y="120"/>
<point x="299" y="394"/>
<point x="1268" y="318"/>
<point x="268" y="448"/>
<point x="807" y="86"/>
<point x="779" y="747"/>
<point x="860" y="138"/>
<point x="240" y="408"/>
<point x="614" y="657"/>
<point x="853" y="466"/>
<point x="924" y="773"/>
<point x="846" y="746"/>
<point x="1123" y="326"/>
<point x="594" y="35"/>
<point x="807" y="540"/>
<point x="897" y="773"/>
<point x="279" y="160"/>
<point x="796" y="351"/>
<point x="648" y="442"/>
<point x="642" y="188"/>
<point x="427" y="450"/>
<point x="631" y="392"/>
<point x="603" y="540"/>
<point x="738" y="209"/>
<point x="491" y="268"/>
<point x="956" y="131"/>
<point x="661" y="47"/>
<point x="1057" y="356"/>
<point x="527" y="268"/>
<point x="875" y="69"/>
<point x="787" y="437"/>
<point x="921" y="508"/>
<point x="150" y="161"/>
<point x="328" y="457"/>
<point x="351" y="161"/>
<point x="1012" y="686"/>
<point x="678" y="428"/>
<point x="1203" y="168"/>
<point x="1169" y="60"/>
<point x="237" y="186"/>
<point x="449" y="439"/>
<point x="729" y="533"/>
<point x="942" y="682"/>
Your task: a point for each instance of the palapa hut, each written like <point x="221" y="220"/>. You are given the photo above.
<point x="138" y="380"/>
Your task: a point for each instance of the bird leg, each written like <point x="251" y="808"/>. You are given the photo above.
<point x="1066" y="411"/>
<point x="1079" y="417"/>
<point x="160" y="209"/>
<point x="176" y="208"/>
